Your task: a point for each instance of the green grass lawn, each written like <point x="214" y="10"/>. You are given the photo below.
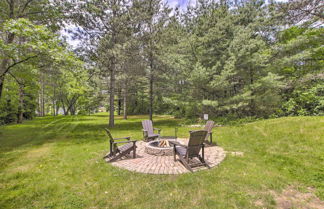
<point x="56" y="162"/>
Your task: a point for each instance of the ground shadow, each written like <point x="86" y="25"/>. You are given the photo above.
<point x="70" y="130"/>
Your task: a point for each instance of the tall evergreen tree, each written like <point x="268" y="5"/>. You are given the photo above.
<point x="104" y="23"/>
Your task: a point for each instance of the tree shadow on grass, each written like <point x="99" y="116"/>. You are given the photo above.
<point x="72" y="130"/>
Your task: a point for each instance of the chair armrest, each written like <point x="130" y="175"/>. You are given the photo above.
<point x="159" y="130"/>
<point x="128" y="138"/>
<point x="145" y="133"/>
<point x="177" y="144"/>
<point x="134" y="141"/>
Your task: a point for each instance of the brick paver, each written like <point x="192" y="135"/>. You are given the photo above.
<point x="151" y="164"/>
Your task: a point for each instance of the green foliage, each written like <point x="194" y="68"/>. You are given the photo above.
<point x="227" y="59"/>
<point x="38" y="52"/>
<point x="232" y="62"/>
<point x="38" y="40"/>
<point x="267" y="94"/>
<point x="301" y="64"/>
<point x="8" y="112"/>
<point x="9" y="104"/>
<point x="307" y="101"/>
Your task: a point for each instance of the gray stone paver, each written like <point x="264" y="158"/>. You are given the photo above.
<point x="151" y="164"/>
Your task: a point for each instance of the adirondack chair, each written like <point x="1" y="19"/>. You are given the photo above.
<point x="148" y="130"/>
<point x="208" y="127"/>
<point x="116" y="152"/>
<point x="186" y="153"/>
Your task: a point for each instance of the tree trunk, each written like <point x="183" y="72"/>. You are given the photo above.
<point x="3" y="67"/>
<point x="1" y="85"/>
<point x="43" y="98"/>
<point x="10" y="39"/>
<point x="72" y="110"/>
<point x="112" y="96"/>
<point x="4" y="63"/>
<point x="119" y="102"/>
<point x="72" y="104"/>
<point x="63" y="106"/>
<point x="21" y="104"/>
<point x="57" y="106"/>
<point x="112" y="67"/>
<point x="125" y="101"/>
<point x="151" y="87"/>
<point x="39" y="110"/>
<point x="151" y="97"/>
<point x="54" y="108"/>
<point x="54" y="101"/>
<point x="252" y="104"/>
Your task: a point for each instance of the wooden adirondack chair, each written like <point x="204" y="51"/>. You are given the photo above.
<point x="208" y="127"/>
<point x="148" y="130"/>
<point x="186" y="153"/>
<point x="116" y="152"/>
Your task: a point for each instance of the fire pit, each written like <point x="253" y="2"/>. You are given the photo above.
<point x="161" y="147"/>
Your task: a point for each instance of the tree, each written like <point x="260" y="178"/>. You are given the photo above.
<point x="304" y="12"/>
<point x="298" y="57"/>
<point x="155" y="16"/>
<point x="37" y="11"/>
<point x="35" y="51"/>
<point x="104" y="23"/>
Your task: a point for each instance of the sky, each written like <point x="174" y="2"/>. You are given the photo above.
<point x="179" y="3"/>
<point x="182" y="4"/>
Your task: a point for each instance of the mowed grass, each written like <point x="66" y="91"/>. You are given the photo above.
<point x="56" y="162"/>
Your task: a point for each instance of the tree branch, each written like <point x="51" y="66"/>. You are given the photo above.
<point x="25" y="6"/>
<point x="16" y="63"/>
<point x="30" y="13"/>
<point x="20" y="83"/>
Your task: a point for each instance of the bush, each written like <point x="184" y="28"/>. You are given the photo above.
<point x="83" y="112"/>
<point x="193" y="110"/>
<point x="308" y="101"/>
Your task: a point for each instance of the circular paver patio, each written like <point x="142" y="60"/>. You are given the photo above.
<point x="151" y="164"/>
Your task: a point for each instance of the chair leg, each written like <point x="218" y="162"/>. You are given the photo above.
<point x="174" y="153"/>
<point x="202" y="159"/>
<point x="185" y="163"/>
<point x="211" y="138"/>
<point x="110" y="149"/>
<point x="121" y="154"/>
<point x="110" y="154"/>
<point x="203" y="151"/>
<point x="106" y="156"/>
<point x="116" y="157"/>
<point x="134" y="151"/>
<point x="203" y="162"/>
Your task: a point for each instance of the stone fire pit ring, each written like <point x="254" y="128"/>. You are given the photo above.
<point x="154" y="164"/>
<point x="152" y="148"/>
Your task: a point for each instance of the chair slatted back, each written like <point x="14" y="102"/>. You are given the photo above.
<point x="113" y="148"/>
<point x="148" y="126"/>
<point x="195" y="141"/>
<point x="109" y="135"/>
<point x="209" y="126"/>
